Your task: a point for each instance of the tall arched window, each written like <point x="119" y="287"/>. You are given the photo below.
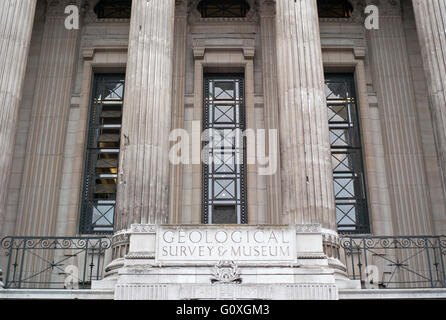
<point x="113" y="9"/>
<point x="334" y="8"/>
<point x="223" y="8"/>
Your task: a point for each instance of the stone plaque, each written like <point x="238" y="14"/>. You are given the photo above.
<point x="215" y="243"/>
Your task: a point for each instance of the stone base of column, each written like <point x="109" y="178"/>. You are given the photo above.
<point x="118" y="250"/>
<point x="226" y="262"/>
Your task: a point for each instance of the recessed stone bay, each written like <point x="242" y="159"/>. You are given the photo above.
<point x="226" y="242"/>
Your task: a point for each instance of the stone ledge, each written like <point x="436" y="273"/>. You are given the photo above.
<point x="389" y="294"/>
<point x="356" y="294"/>
<point x="59" y="294"/>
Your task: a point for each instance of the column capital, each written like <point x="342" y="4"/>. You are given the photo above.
<point x="267" y="8"/>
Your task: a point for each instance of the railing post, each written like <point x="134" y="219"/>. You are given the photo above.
<point x="91" y="263"/>
<point x="428" y="261"/>
<point x="99" y="259"/>
<point x="21" y="263"/>
<point x="9" y="264"/>
<point x="365" y="257"/>
<point x="85" y="263"/>
<point x="442" y="261"/>
<point x="353" y="258"/>
<point x="14" y="274"/>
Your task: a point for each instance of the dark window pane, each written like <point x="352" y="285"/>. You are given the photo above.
<point x="334" y="8"/>
<point x="224" y="215"/>
<point x="113" y="9"/>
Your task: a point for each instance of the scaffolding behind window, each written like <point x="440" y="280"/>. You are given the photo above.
<point x="102" y="154"/>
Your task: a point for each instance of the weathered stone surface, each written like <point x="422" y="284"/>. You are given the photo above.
<point x="307" y="184"/>
<point x="143" y="189"/>
<point x="405" y="168"/>
<point x="16" y="22"/>
<point x="431" y="27"/>
<point x="40" y="186"/>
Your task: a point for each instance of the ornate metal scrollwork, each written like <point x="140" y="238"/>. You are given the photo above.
<point x="402" y="261"/>
<point x="42" y="262"/>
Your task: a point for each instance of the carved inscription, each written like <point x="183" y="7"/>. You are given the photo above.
<point x="213" y="243"/>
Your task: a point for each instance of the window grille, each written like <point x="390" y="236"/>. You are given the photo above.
<point x="345" y="139"/>
<point x="224" y="176"/>
<point x="102" y="154"/>
<point x="223" y="8"/>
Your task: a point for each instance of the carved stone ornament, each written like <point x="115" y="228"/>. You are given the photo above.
<point x="143" y="228"/>
<point x="309" y="228"/>
<point x="226" y="272"/>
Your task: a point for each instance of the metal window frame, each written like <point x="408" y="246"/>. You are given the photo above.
<point x="362" y="224"/>
<point x="86" y="213"/>
<point x="243" y="203"/>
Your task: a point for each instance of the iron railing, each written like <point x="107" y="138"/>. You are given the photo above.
<point x="53" y="262"/>
<point x="396" y="261"/>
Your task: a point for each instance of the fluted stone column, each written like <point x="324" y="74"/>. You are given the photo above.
<point x="16" y="22"/>
<point x="306" y="170"/>
<point x="271" y="107"/>
<point x="405" y="167"/>
<point x="179" y="83"/>
<point x="40" y="189"/>
<point x="143" y="188"/>
<point x="392" y="79"/>
<point x="430" y="16"/>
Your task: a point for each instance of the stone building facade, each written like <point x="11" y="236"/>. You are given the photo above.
<point x="350" y="117"/>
